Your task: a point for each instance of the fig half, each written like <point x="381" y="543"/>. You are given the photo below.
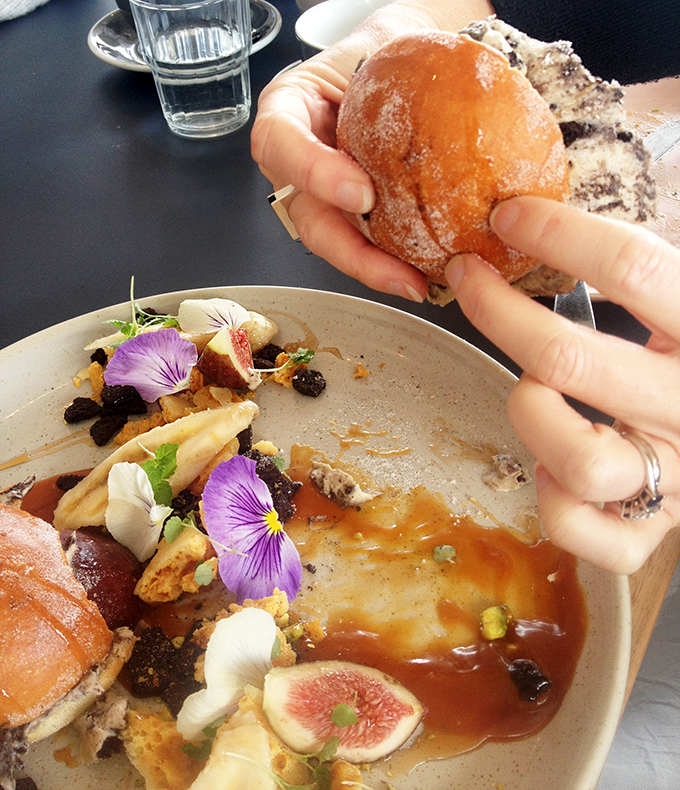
<point x="299" y="702"/>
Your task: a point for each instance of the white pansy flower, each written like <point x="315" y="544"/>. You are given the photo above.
<point x="239" y="654"/>
<point x="132" y="516"/>
<point x="202" y="316"/>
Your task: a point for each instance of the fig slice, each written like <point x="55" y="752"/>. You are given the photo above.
<point x="299" y="701"/>
<point x="228" y="361"/>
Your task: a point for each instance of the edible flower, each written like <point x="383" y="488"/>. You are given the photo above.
<point x="239" y="653"/>
<point x="155" y="364"/>
<point x="202" y="316"/>
<point x="239" y="512"/>
<point x="140" y="321"/>
<point x="132" y="516"/>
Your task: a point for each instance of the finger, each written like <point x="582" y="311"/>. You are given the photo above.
<point x="619" y="378"/>
<point x="325" y="231"/>
<point x="597" y="536"/>
<point x="593" y="462"/>
<point x="290" y="152"/>
<point x="625" y="262"/>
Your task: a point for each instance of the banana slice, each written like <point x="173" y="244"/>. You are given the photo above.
<point x="200" y="437"/>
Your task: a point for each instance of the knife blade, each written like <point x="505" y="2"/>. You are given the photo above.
<point x="663" y="139"/>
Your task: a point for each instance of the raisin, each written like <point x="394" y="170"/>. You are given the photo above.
<point x="280" y="486"/>
<point x="99" y="356"/>
<point x="266" y="356"/>
<point x="106" y="428"/>
<point x="245" y="440"/>
<point x="528" y="679"/>
<point x="26" y="783"/>
<point x="308" y="382"/>
<point x="122" y="399"/>
<point x="82" y="409"/>
<point x="67" y="482"/>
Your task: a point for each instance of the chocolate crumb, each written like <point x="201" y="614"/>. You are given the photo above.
<point x="82" y="409"/>
<point x="106" y="428"/>
<point x="308" y="382"/>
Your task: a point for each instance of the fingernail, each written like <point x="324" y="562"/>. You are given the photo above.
<point x="541" y="476"/>
<point x="400" y="288"/>
<point x="455" y="269"/>
<point x="354" y="196"/>
<point x="504" y="216"/>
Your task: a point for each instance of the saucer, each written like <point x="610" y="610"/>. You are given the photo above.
<point x="114" y="40"/>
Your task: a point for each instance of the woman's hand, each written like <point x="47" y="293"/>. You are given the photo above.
<point x="579" y="463"/>
<point x="293" y="141"/>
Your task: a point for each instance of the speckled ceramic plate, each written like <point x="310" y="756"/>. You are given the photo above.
<point x="424" y="387"/>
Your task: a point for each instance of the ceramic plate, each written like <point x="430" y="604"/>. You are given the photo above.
<point x="424" y="385"/>
<point x="114" y="40"/>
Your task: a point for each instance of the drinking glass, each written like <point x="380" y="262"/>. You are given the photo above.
<point x="198" y="53"/>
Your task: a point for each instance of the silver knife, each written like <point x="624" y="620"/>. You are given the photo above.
<point x="576" y="305"/>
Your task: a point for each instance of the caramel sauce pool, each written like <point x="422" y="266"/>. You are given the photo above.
<point x="374" y="609"/>
<point x="383" y="601"/>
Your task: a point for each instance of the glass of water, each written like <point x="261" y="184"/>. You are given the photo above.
<point x="198" y="53"/>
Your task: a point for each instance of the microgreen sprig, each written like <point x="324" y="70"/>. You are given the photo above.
<point x="140" y="320"/>
<point x="302" y="356"/>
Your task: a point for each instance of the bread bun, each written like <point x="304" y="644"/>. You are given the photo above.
<point x="50" y="633"/>
<point x="446" y="129"/>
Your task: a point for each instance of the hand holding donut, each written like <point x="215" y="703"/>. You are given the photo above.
<point x="293" y="141"/>
<point x="581" y="464"/>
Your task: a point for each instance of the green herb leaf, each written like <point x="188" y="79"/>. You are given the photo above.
<point x="276" y="648"/>
<point x="344" y="715"/>
<point x="158" y="469"/>
<point x="444" y="553"/>
<point x="211" y="730"/>
<point x="322" y="775"/>
<point x="173" y="528"/>
<point x="199" y="751"/>
<point x="203" y="573"/>
<point x="328" y="750"/>
<point x="279" y="463"/>
<point x="301" y="356"/>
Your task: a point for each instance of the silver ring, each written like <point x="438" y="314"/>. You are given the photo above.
<point x="648" y="501"/>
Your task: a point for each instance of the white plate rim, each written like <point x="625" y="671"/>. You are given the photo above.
<point x="588" y="772"/>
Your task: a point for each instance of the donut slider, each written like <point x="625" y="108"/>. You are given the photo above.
<point x="57" y="655"/>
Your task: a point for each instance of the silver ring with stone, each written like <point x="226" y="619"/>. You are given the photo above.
<point x="648" y="501"/>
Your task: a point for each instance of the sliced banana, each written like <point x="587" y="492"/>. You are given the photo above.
<point x="200" y="437"/>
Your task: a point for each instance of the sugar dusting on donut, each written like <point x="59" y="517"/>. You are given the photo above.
<point x="446" y="128"/>
<point x="392" y="122"/>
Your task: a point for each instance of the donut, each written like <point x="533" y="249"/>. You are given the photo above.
<point x="447" y="128"/>
<point x="447" y="125"/>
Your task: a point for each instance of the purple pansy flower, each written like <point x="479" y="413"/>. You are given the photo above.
<point x="154" y="363"/>
<point x="239" y="514"/>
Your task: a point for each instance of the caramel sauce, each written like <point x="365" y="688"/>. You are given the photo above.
<point x="385" y="603"/>
<point x="461" y="678"/>
<point x="43" y="497"/>
<point x="310" y="340"/>
<point x="360" y="436"/>
<point x="79" y="437"/>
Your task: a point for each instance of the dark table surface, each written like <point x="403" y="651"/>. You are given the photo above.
<point x="95" y="189"/>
